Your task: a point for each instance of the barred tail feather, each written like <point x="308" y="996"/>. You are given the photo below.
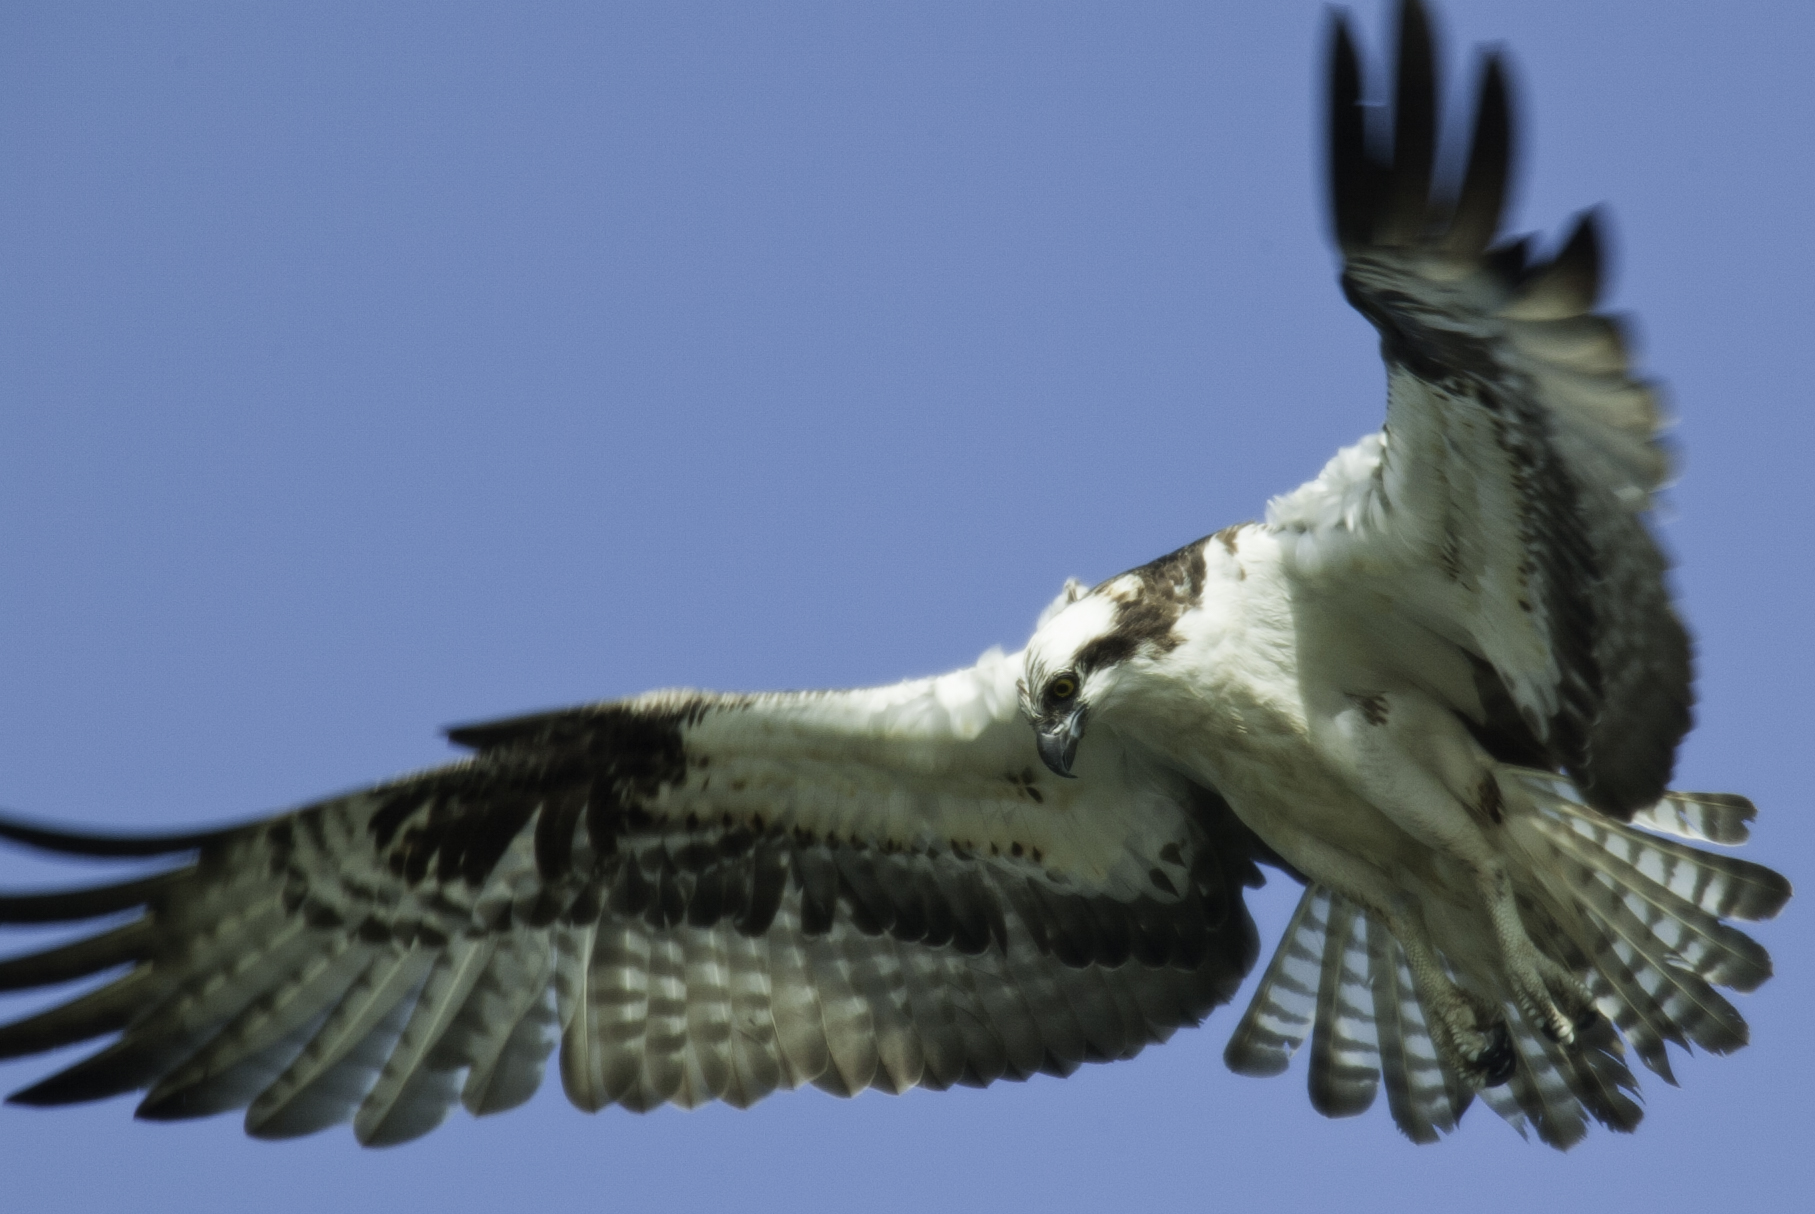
<point x="1341" y="979"/>
<point x="1343" y="1077"/>
<point x="1719" y="885"/>
<point x="1711" y="817"/>
<point x="1650" y="910"/>
<point x="1285" y="1002"/>
<point x="1621" y="994"/>
<point x="1687" y="1000"/>
<point x="1425" y="1098"/>
<point x="1697" y="940"/>
<point x="1600" y="1078"/>
<point x="1647" y="912"/>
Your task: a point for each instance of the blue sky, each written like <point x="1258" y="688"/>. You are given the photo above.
<point x="365" y="369"/>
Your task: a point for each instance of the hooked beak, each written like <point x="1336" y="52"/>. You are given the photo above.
<point x="1057" y="741"/>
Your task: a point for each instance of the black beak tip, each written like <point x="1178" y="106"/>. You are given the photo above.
<point x="1057" y="749"/>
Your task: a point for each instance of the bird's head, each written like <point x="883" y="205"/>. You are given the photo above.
<point x="1088" y="641"/>
<point x="1070" y="669"/>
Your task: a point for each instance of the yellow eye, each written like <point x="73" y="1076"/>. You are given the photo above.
<point x="1062" y="688"/>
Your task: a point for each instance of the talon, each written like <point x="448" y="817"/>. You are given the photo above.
<point x="1497" y="1061"/>
<point x="1555" y="1027"/>
<point x="1593" y="1031"/>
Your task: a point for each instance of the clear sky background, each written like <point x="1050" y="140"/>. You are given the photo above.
<point x="365" y="369"/>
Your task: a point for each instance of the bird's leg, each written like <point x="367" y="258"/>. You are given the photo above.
<point x="1414" y="762"/>
<point x="1551" y="997"/>
<point x="1469" y="1033"/>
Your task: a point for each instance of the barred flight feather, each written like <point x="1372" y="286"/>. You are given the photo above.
<point x="663" y="1050"/>
<point x="333" y="1073"/>
<point x="412" y="1095"/>
<point x="265" y="1037"/>
<point x="509" y="1026"/>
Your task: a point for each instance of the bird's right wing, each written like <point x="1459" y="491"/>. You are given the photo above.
<point x="701" y="897"/>
<point x="1505" y="504"/>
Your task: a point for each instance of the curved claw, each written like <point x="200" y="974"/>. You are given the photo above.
<point x="1498" y="1060"/>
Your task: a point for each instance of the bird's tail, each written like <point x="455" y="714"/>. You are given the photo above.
<point x="1642" y="917"/>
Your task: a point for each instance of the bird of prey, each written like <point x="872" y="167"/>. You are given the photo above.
<point x="1441" y="685"/>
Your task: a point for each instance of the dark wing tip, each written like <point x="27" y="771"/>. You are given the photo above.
<point x="32" y="1098"/>
<point x="474" y="737"/>
<point x="1569" y="284"/>
<point x="76" y="1085"/>
<point x="1582" y="258"/>
<point x="487" y="735"/>
<point x="1511" y="261"/>
<point x="99" y="845"/>
<point x="88" y="902"/>
<point x="1482" y="199"/>
<point x="1380" y="180"/>
<point x="1414" y="128"/>
<point x="1396" y="192"/>
<point x="1352" y="170"/>
<point x="545" y="727"/>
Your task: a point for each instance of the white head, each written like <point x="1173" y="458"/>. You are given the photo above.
<point x="1087" y="639"/>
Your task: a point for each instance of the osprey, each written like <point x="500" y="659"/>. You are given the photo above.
<point x="1441" y="685"/>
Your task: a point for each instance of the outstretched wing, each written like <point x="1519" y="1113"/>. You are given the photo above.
<point x="1503" y="504"/>
<point x="703" y="897"/>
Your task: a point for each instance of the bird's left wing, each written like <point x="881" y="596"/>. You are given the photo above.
<point x="1503" y="504"/>
<point x="702" y="897"/>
